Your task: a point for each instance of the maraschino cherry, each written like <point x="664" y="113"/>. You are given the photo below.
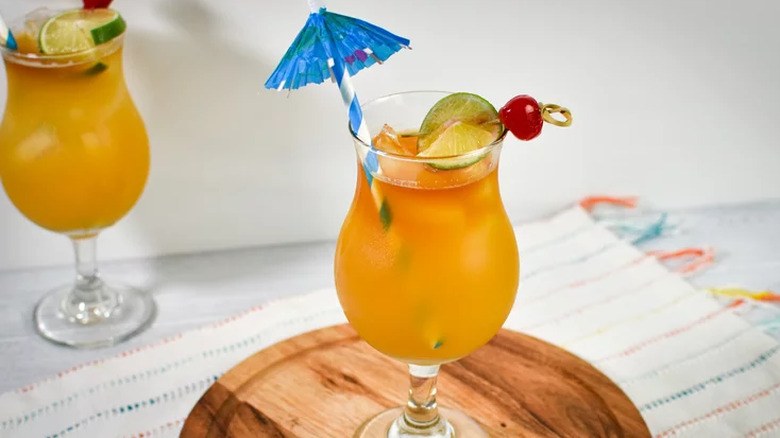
<point x="96" y="4"/>
<point x="524" y="116"/>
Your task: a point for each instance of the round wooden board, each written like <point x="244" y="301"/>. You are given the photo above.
<point x="325" y="383"/>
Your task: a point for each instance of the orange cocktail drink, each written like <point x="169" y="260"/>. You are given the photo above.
<point x="441" y="280"/>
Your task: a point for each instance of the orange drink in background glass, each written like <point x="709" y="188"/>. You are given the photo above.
<point x="74" y="159"/>
<point x="437" y="281"/>
<point x="74" y="155"/>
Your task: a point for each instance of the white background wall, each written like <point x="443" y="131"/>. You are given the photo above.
<point x="675" y="101"/>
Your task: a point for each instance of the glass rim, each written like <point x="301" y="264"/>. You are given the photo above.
<point x="37" y="59"/>
<point x="415" y="159"/>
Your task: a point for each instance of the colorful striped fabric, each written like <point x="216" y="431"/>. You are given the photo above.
<point x="693" y="367"/>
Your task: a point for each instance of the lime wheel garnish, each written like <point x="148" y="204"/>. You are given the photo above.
<point x="458" y="124"/>
<point x="78" y="30"/>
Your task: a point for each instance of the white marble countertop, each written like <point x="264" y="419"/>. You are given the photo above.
<point x="195" y="289"/>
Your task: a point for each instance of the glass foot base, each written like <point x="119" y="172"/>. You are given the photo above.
<point x="121" y="313"/>
<point x="454" y="424"/>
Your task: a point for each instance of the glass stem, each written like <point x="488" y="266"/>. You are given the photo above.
<point x="87" y="276"/>
<point x="421" y="409"/>
<point x="89" y="300"/>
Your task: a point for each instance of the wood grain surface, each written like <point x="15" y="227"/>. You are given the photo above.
<point x="325" y="383"/>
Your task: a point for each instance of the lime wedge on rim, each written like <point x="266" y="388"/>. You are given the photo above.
<point x="459" y="138"/>
<point x="78" y="30"/>
<point x="463" y="107"/>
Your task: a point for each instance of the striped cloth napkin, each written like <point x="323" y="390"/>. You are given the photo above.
<point x="692" y="366"/>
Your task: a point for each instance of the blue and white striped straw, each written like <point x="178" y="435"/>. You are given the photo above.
<point x="6" y="37"/>
<point x="368" y="158"/>
<point x="356" y="119"/>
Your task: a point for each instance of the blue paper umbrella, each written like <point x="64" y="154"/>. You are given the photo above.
<point x="330" y="43"/>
